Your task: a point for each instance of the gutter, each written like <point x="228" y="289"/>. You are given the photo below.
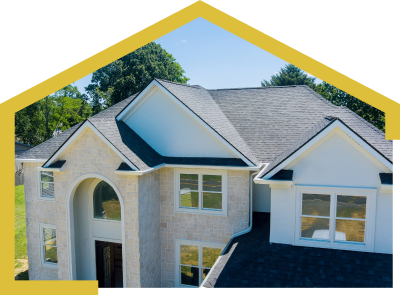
<point x="241" y="232"/>
<point x="129" y="172"/>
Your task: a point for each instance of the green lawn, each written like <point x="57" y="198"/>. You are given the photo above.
<point x="21" y="255"/>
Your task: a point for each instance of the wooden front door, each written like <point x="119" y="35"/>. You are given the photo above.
<point x="109" y="264"/>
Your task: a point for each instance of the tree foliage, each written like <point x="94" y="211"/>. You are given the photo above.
<point x="289" y="75"/>
<point x="131" y="74"/>
<point x="51" y="115"/>
<point x="292" y="75"/>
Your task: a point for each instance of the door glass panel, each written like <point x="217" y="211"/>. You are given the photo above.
<point x="212" y="183"/>
<point x="350" y="230"/>
<point x="106" y="203"/>
<point x="351" y="206"/>
<point x="315" y="228"/>
<point x="315" y="204"/>
<point x="205" y="272"/>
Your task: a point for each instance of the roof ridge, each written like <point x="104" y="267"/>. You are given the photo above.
<point x="180" y="84"/>
<point x="261" y="87"/>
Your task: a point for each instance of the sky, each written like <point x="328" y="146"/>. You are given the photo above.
<point x="215" y="58"/>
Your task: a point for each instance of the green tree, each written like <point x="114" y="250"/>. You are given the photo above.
<point x="338" y="97"/>
<point x="131" y="74"/>
<point x="290" y="75"/>
<point x="51" y="115"/>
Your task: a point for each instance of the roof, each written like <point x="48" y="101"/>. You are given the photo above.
<point x="251" y="261"/>
<point x="261" y="123"/>
<point x="20" y="143"/>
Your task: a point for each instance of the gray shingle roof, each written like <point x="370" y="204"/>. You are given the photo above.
<point x="261" y="123"/>
<point x="271" y="119"/>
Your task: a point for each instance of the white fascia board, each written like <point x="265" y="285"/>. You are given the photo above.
<point x="274" y="183"/>
<point x="386" y="188"/>
<point x="31" y="160"/>
<point x="121" y="172"/>
<point x="94" y="129"/>
<point x="146" y="93"/>
<point x="62" y="169"/>
<point x="345" y="129"/>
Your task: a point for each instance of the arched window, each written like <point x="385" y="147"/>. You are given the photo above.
<point x="106" y="203"/>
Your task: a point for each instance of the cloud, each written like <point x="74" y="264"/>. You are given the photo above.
<point x="183" y="41"/>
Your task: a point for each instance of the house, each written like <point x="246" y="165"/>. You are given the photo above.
<point x="151" y="191"/>
<point x="19" y="149"/>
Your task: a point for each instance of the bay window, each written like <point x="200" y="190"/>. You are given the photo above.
<point x="341" y="218"/>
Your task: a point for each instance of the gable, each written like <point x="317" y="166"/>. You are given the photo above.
<point x="172" y="131"/>
<point x="337" y="161"/>
<point x="97" y="143"/>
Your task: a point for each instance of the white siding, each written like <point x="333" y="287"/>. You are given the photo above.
<point x="337" y="161"/>
<point x="261" y="198"/>
<point x="172" y="132"/>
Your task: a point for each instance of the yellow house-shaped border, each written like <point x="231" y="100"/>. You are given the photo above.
<point x="180" y="18"/>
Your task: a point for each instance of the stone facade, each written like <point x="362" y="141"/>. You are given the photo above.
<point x="151" y="224"/>
<point x="196" y="227"/>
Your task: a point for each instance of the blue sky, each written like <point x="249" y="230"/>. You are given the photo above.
<point x="215" y="58"/>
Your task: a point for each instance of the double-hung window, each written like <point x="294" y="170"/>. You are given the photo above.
<point x="48" y="247"/>
<point x="46" y="185"/>
<point x="336" y="217"/>
<point x="201" y="192"/>
<point x="194" y="261"/>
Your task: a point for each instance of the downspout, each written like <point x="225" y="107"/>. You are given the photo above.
<point x="241" y="232"/>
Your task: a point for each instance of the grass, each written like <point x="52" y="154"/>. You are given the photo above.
<point x="21" y="254"/>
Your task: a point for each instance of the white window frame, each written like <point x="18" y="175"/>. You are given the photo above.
<point x="200" y="172"/>
<point x="39" y="186"/>
<point x="178" y="243"/>
<point x="369" y="235"/>
<point x="43" y="262"/>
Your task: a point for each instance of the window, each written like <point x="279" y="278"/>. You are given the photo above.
<point x="194" y="261"/>
<point x="336" y="217"/>
<point x="46" y="184"/>
<point x="48" y="238"/>
<point x="106" y="203"/>
<point x="203" y="192"/>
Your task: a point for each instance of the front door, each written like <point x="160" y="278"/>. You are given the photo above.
<point x="109" y="264"/>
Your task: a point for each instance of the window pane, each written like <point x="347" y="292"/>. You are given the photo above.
<point x="205" y="272"/>
<point x="314" y="204"/>
<point x="47" y="189"/>
<point x="212" y="183"/>
<point x="350" y="230"/>
<point x="189" y="275"/>
<point x="212" y="201"/>
<point x="106" y="203"/>
<point x="49" y="236"/>
<point x="210" y="255"/>
<point x="189" y="182"/>
<point x="315" y="228"/>
<point x="46" y="176"/>
<point x="190" y="255"/>
<point x="189" y="199"/>
<point x="51" y="254"/>
<point x="351" y="206"/>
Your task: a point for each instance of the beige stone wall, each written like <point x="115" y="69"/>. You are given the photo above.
<point x="149" y="230"/>
<point x="88" y="154"/>
<point x="195" y="227"/>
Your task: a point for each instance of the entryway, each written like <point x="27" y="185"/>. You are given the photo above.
<point x="109" y="264"/>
